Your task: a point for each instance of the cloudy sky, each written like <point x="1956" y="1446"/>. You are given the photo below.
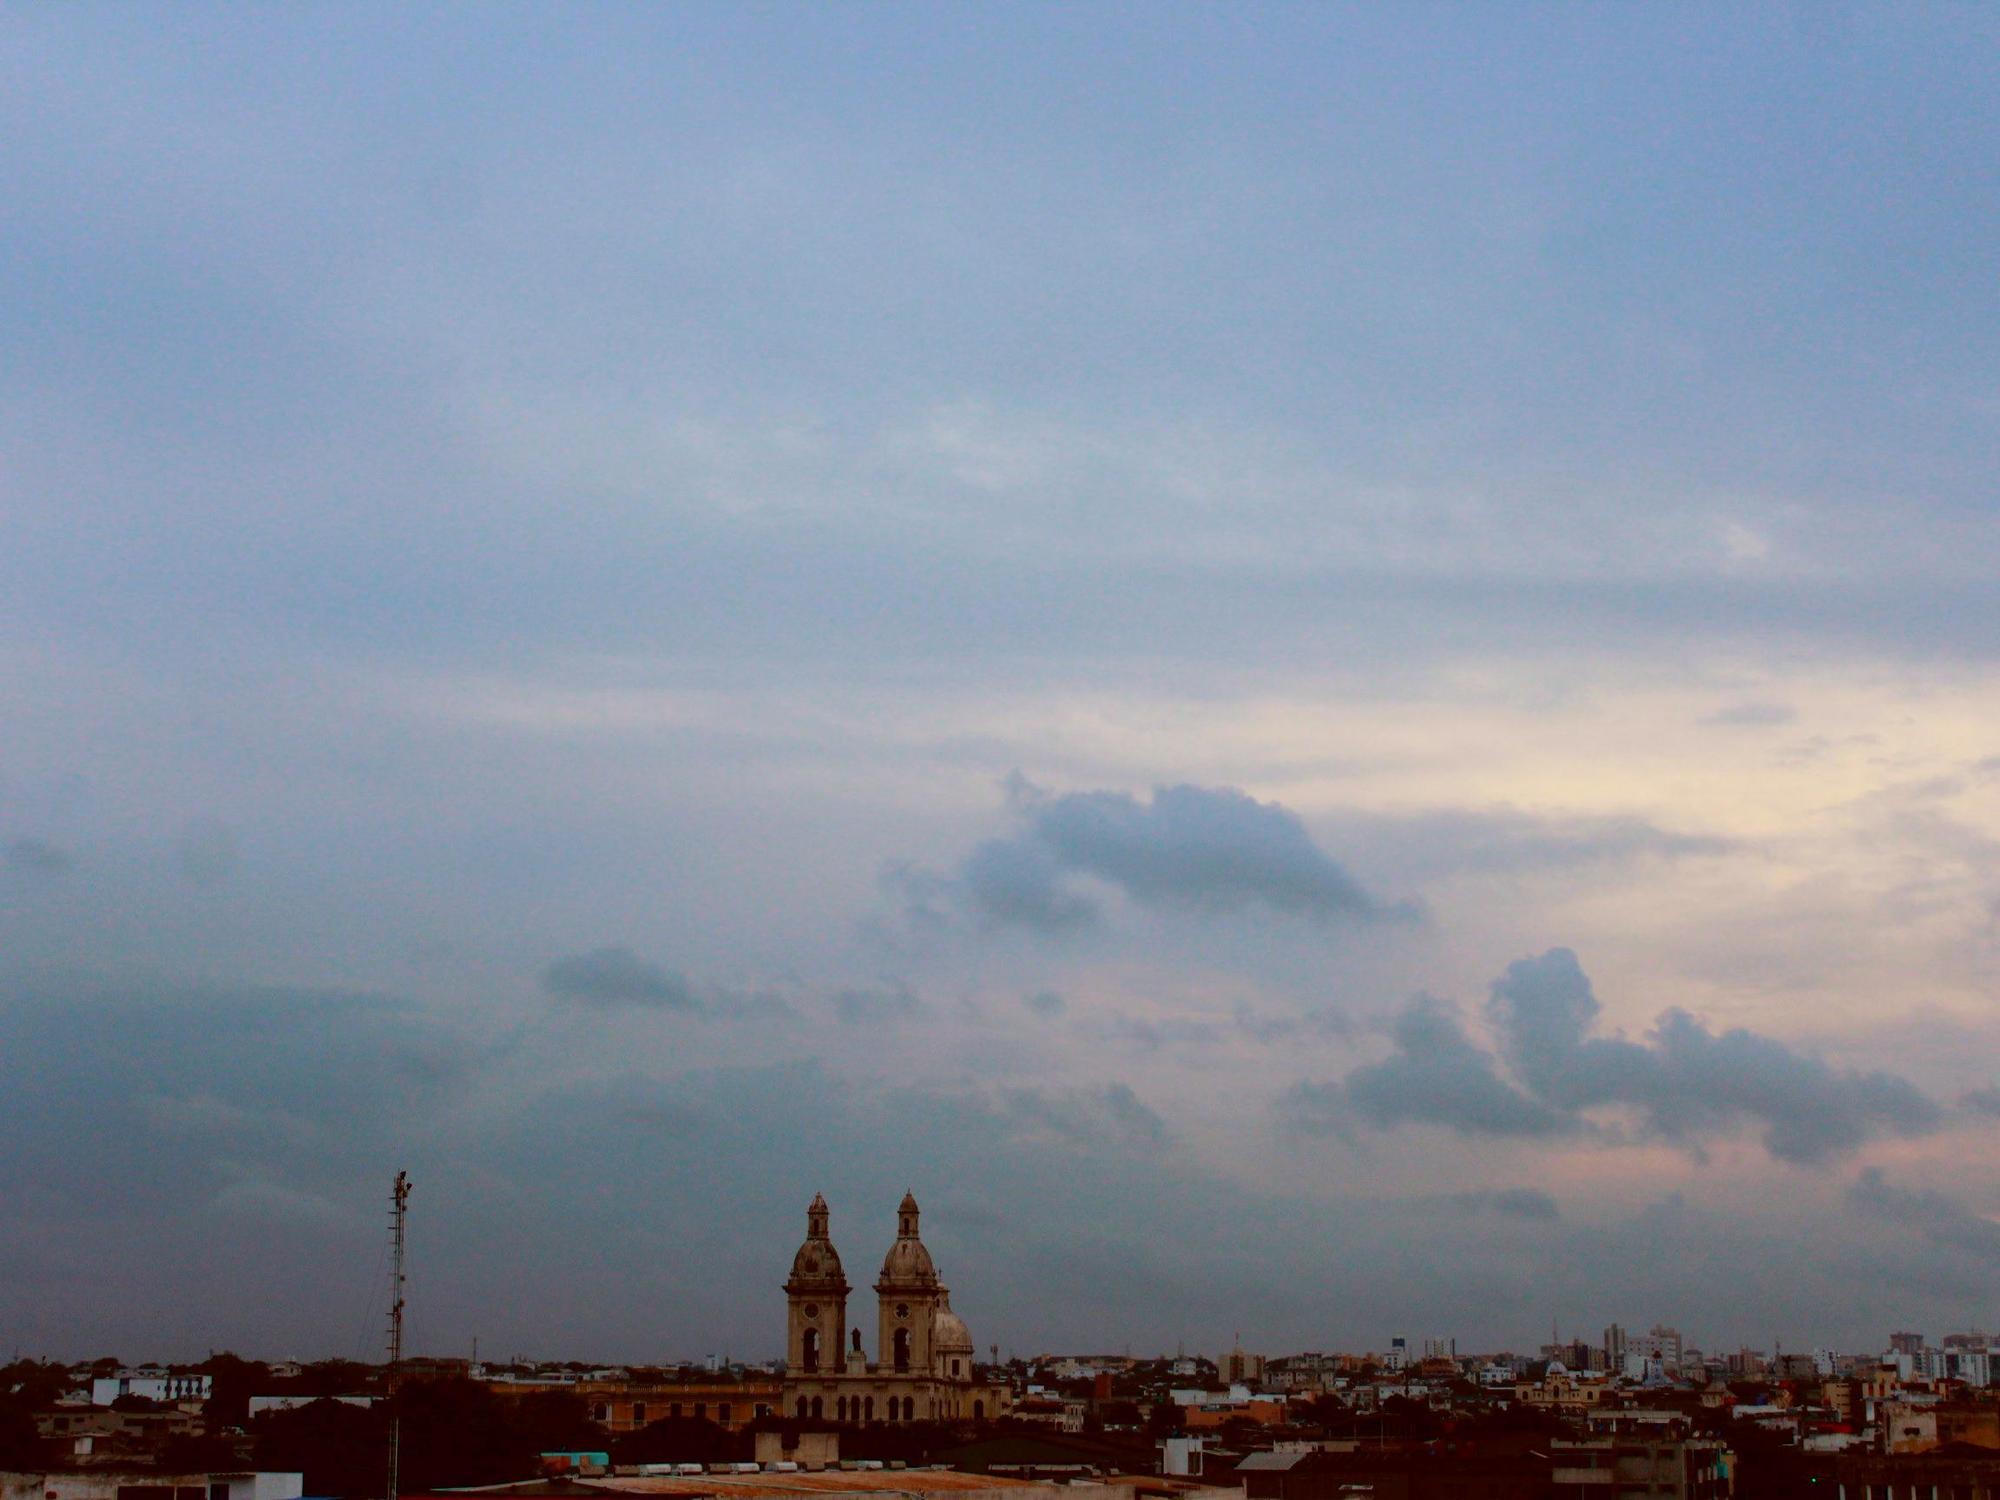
<point x="1330" y="671"/>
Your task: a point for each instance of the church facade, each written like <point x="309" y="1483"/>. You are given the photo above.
<point x="924" y="1368"/>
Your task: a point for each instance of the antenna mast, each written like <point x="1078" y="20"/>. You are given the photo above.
<point x="399" y="1207"/>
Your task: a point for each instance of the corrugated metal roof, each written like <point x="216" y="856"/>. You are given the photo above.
<point x="1263" y="1461"/>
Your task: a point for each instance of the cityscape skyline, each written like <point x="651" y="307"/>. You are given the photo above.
<point x="1322" y="668"/>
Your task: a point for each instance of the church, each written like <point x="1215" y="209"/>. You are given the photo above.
<point x="924" y="1372"/>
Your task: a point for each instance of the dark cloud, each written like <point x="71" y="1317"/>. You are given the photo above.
<point x="1982" y="1101"/>
<point x="1436" y="1076"/>
<point x="1111" y="1114"/>
<point x="617" y="976"/>
<point x="1524" y="1203"/>
<point x="36" y="857"/>
<point x="1153" y="1032"/>
<point x="1019" y="883"/>
<point x="1213" y="850"/>
<point x="1937" y="1217"/>
<point x="1752" y="714"/>
<point x="239" y="1142"/>
<point x="1203" y="848"/>
<point x="1685" y="1083"/>
<point x="875" y="1007"/>
<point x="1046" y="1003"/>
<point x="1531" y="1205"/>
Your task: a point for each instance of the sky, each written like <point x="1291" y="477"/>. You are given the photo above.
<point x="1329" y="671"/>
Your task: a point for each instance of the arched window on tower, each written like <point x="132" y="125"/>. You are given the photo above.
<point x="819" y="1410"/>
<point x="979" y="1411"/>
<point x="802" y="1408"/>
<point x="867" y="1408"/>
<point x="902" y="1348"/>
<point x="909" y="1409"/>
<point x="809" y="1351"/>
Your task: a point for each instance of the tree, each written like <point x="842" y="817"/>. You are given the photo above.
<point x="1123" y="1414"/>
<point x="22" y="1447"/>
<point x="336" y="1377"/>
<point x="693" y="1440"/>
<point x="456" y="1432"/>
<point x="197" y="1453"/>
<point x="340" y="1449"/>
<point x="232" y="1381"/>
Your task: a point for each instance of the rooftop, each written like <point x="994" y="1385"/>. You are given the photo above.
<point x="804" y="1482"/>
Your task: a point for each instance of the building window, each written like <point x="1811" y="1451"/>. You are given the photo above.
<point x="954" y="1369"/>
<point x="701" y="1411"/>
<point x="868" y="1409"/>
<point x="978" y="1410"/>
<point x="674" y="1409"/>
<point x="802" y="1408"/>
<point x="722" y="1414"/>
<point x="819" y="1410"/>
<point x="902" y="1348"/>
<point x="809" y="1350"/>
<point x="601" y="1413"/>
<point x="638" y="1414"/>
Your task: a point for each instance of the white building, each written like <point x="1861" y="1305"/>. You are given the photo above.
<point x="107" y="1484"/>
<point x="152" y="1385"/>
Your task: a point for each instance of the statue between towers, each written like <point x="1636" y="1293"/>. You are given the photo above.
<point x="924" y="1371"/>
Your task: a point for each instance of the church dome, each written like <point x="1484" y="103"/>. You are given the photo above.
<point x="949" y="1335"/>
<point x="817" y="1265"/>
<point x="817" y="1260"/>
<point x="908" y="1263"/>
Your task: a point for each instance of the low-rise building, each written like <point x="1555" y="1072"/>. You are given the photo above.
<point x="149" y="1385"/>
<point x="1629" y="1468"/>
<point x="151" y="1484"/>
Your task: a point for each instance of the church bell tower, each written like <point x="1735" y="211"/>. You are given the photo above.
<point x="816" y="1302"/>
<point x="909" y="1294"/>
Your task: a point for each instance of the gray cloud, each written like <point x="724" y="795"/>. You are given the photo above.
<point x="1150" y="1033"/>
<point x="1524" y="1203"/>
<point x="1046" y="1003"/>
<point x="1982" y="1101"/>
<point x="1276" y="1027"/>
<point x="1937" y="1217"/>
<point x="1752" y="714"/>
<point x="1110" y="1114"/>
<point x="36" y="856"/>
<point x="1448" y="841"/>
<point x="289" y="1110"/>
<point x="1689" y="1082"/>
<point x="875" y="1007"/>
<point x="1019" y="883"/>
<point x="1436" y="1076"/>
<point x="617" y="976"/>
<point x="1686" y="1083"/>
<point x="1214" y="850"/>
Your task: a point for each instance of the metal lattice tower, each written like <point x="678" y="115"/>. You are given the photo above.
<point x="399" y="1207"/>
